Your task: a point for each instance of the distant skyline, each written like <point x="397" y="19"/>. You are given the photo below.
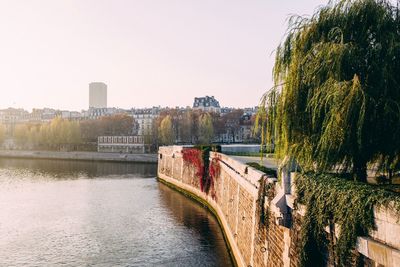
<point x="148" y="52"/>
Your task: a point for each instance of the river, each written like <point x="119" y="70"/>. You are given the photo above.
<point x="72" y="213"/>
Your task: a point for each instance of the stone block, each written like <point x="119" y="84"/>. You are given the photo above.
<point x="378" y="253"/>
<point x="392" y="232"/>
<point x="395" y="261"/>
<point x="362" y="246"/>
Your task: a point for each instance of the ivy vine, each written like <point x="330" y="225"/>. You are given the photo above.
<point x="199" y="157"/>
<point x="331" y="200"/>
<point x="267" y="171"/>
<point x="265" y="192"/>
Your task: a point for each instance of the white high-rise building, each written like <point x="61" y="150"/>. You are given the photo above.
<point x="97" y="95"/>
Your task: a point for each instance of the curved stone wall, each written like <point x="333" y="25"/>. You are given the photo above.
<point x="235" y="201"/>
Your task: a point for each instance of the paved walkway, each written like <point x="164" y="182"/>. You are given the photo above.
<point x="267" y="162"/>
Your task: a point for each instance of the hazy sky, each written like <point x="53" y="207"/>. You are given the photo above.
<point x="149" y="52"/>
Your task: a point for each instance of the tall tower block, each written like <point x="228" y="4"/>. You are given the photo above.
<point x="97" y="95"/>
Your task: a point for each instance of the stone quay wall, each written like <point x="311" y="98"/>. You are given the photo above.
<point x="235" y="200"/>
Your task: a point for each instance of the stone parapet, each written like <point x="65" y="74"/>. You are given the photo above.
<point x="236" y="201"/>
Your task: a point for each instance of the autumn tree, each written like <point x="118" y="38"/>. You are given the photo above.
<point x="166" y="131"/>
<point x="54" y="135"/>
<point x="21" y="134"/>
<point x="231" y="122"/>
<point x="120" y="124"/>
<point x="186" y="127"/>
<point x="206" y="129"/>
<point x="2" y="133"/>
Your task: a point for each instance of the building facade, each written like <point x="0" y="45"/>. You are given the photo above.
<point x="97" y="95"/>
<point x="11" y="117"/>
<point x="207" y="104"/>
<point x="144" y="119"/>
<point x="121" y="144"/>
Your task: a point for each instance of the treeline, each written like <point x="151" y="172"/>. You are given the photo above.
<point x="196" y="127"/>
<point x="2" y="133"/>
<point x="53" y="135"/>
<point x="172" y="126"/>
<point x="61" y="134"/>
<point x="120" y="124"/>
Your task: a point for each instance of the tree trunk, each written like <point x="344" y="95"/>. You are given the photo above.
<point x="332" y="241"/>
<point x="360" y="171"/>
<point x="390" y="176"/>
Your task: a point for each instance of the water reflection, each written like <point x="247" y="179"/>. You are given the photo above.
<point x="76" y="169"/>
<point x="66" y="213"/>
<point x="203" y="225"/>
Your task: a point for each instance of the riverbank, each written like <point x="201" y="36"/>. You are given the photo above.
<point x="78" y="155"/>
<point x="260" y="215"/>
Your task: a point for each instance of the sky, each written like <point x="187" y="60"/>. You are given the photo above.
<point x="148" y="52"/>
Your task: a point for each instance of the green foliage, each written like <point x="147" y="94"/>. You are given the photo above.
<point x="208" y="148"/>
<point x="333" y="200"/>
<point x="265" y="122"/>
<point x="249" y="154"/>
<point x="336" y="100"/>
<point x="265" y="191"/>
<point x="268" y="171"/>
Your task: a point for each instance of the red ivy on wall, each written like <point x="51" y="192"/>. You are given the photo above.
<point x="206" y="174"/>
<point x="214" y="171"/>
<point x="194" y="157"/>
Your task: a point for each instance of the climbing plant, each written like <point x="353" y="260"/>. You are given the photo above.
<point x="270" y="172"/>
<point x="265" y="193"/>
<point x="214" y="171"/>
<point x="336" y="100"/>
<point x="215" y="168"/>
<point x="194" y="158"/>
<point x="331" y="200"/>
<point x="198" y="157"/>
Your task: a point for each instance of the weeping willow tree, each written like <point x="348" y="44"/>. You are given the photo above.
<point x="335" y="105"/>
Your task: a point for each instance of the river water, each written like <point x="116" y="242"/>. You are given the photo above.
<point x="67" y="213"/>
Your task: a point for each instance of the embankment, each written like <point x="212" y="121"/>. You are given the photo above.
<point x="87" y="156"/>
<point x="272" y="240"/>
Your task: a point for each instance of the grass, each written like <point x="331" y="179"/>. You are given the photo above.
<point x="264" y="169"/>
